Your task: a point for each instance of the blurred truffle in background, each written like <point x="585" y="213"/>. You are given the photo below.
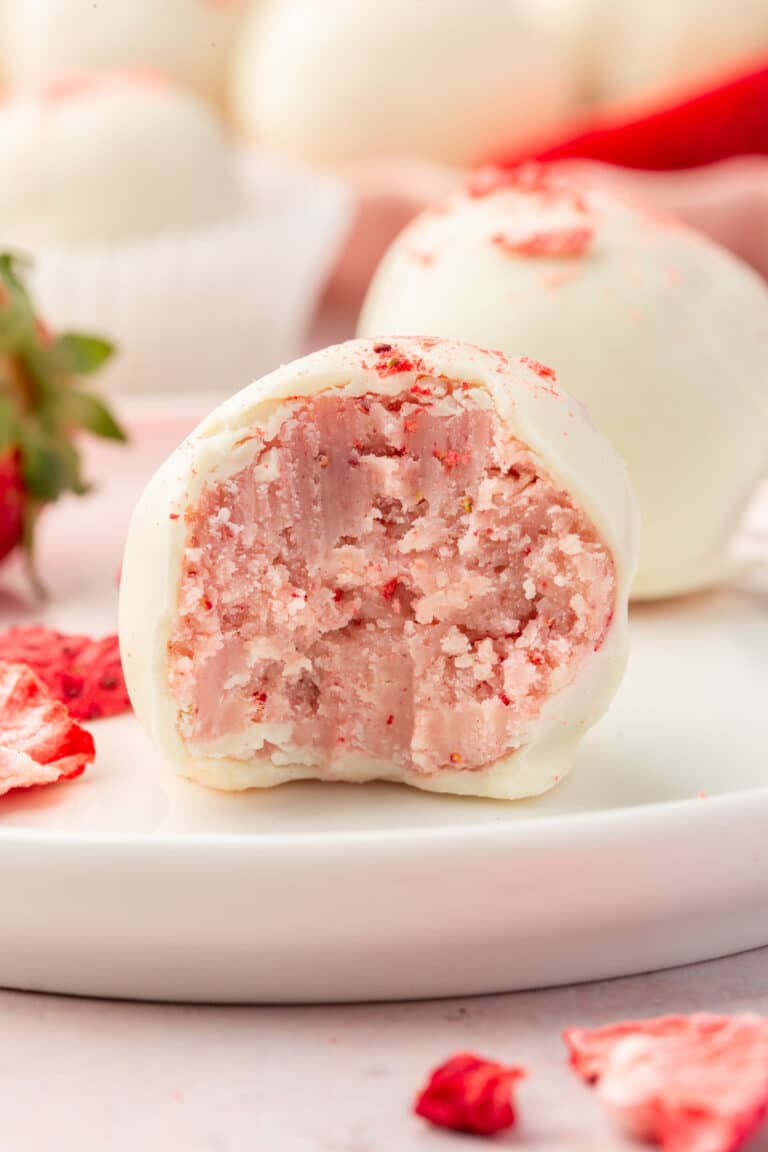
<point x="443" y="80"/>
<point x="579" y="30"/>
<point x="189" y="40"/>
<point x="107" y="157"/>
<point x="664" y="49"/>
<point x="623" y="54"/>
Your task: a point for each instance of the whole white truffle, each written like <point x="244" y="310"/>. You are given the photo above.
<point x="109" y="157"/>
<point x="443" y="79"/>
<point x="663" y="335"/>
<point x="189" y="40"/>
<point x="660" y="50"/>
<point x="580" y="32"/>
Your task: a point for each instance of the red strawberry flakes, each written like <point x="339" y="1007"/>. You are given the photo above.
<point x="554" y="242"/>
<point x="84" y="674"/>
<point x="690" y="1083"/>
<point x="40" y="743"/>
<point x="470" y="1094"/>
<point x="540" y="369"/>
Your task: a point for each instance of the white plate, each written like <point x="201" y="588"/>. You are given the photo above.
<point x="653" y="853"/>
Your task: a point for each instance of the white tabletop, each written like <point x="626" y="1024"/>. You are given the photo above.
<point x="98" y="1076"/>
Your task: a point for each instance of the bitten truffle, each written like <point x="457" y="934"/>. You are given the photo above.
<point x="395" y="559"/>
<point x="660" y="333"/>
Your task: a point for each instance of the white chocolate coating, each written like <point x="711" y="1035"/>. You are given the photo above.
<point x="661" y="334"/>
<point x="545" y="418"/>
<point x="441" y="79"/>
<point x="580" y="31"/>
<point x="188" y="40"/>
<point x="659" y="50"/>
<point x="102" y="159"/>
<point x="3" y="40"/>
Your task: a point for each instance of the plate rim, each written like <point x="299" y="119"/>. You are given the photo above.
<point x="600" y="825"/>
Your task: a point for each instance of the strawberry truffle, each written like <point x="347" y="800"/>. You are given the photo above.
<point x="188" y="40"/>
<point x="104" y="158"/>
<point x="662" y="335"/>
<point x="395" y="559"/>
<point x="343" y="80"/>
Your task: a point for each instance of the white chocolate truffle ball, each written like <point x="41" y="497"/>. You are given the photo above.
<point x="663" y="335"/>
<point x="3" y="40"/>
<point x="661" y="50"/>
<point x="189" y="40"/>
<point x="106" y="158"/>
<point x="579" y="31"/>
<point x="442" y="79"/>
<point x="404" y="560"/>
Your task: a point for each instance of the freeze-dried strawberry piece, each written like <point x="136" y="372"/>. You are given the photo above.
<point x="470" y="1094"/>
<point x="39" y="741"/>
<point x="563" y="241"/>
<point x="689" y="1083"/>
<point x="82" y="673"/>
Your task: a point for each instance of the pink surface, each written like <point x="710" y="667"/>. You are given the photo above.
<point x="407" y="584"/>
<point x="86" y="1076"/>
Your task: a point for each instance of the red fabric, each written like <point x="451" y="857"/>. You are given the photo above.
<point x="729" y="120"/>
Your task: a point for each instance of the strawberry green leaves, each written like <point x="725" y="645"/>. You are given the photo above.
<point x="44" y="402"/>
<point x="80" y="355"/>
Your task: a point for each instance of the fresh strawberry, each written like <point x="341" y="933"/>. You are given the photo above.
<point x="43" y="408"/>
<point x="11" y="503"/>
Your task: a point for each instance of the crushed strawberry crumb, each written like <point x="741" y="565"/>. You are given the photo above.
<point x="530" y="178"/>
<point x="450" y="458"/>
<point x="391" y="362"/>
<point x="470" y="1094"/>
<point x="540" y="369"/>
<point x="490" y="179"/>
<point x="555" y="242"/>
<point x="40" y="743"/>
<point x="688" y="1083"/>
<point x="84" y="674"/>
<point x="389" y="589"/>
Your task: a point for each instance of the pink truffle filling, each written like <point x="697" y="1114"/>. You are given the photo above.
<point x="392" y="578"/>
